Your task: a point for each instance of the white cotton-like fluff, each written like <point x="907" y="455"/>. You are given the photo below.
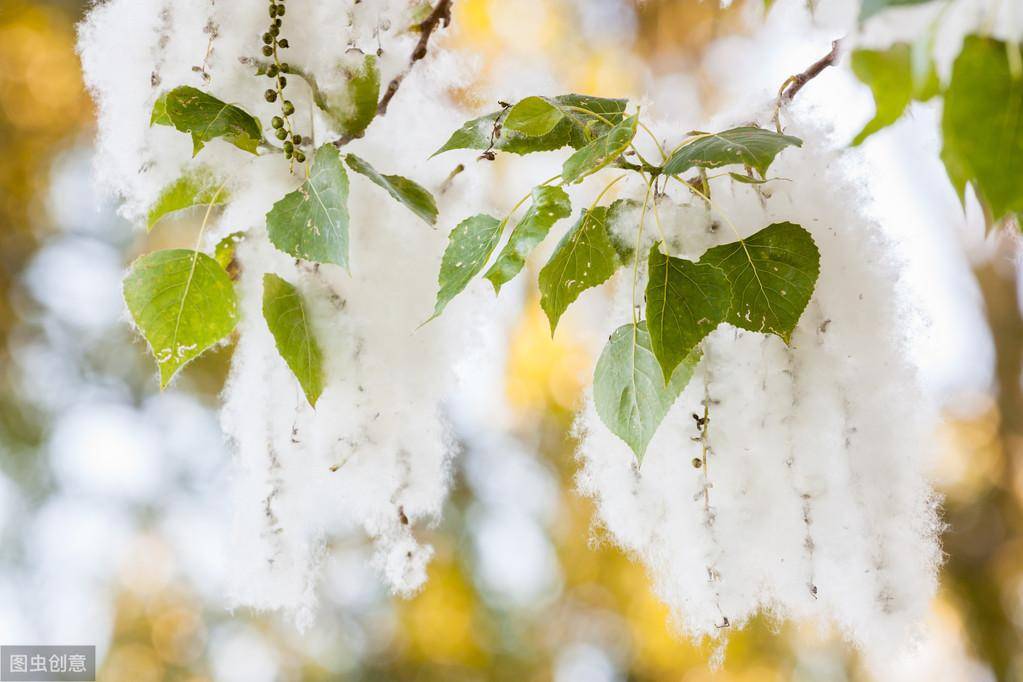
<point x="817" y="504"/>
<point x="375" y="452"/>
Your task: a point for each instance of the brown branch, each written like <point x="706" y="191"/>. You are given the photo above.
<point x="440" y="16"/>
<point x="793" y="84"/>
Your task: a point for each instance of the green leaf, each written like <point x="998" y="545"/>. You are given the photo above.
<point x="772" y="275"/>
<point x="206" y="118"/>
<point x="311" y="223"/>
<point x="871" y="7"/>
<point x="629" y="391"/>
<point x="619" y="211"/>
<point x="748" y="145"/>
<point x="550" y="204"/>
<point x="160" y="115"/>
<point x="896" y="77"/>
<point x="183" y="302"/>
<point x="600" y="152"/>
<point x="585" y="117"/>
<point x="224" y="251"/>
<point x="469" y="248"/>
<point x="352" y="109"/>
<point x="198" y="188"/>
<point x="533" y="116"/>
<point x="286" y="316"/>
<point x="982" y="125"/>
<point x="685" y="301"/>
<point x="415" y="197"/>
<point x="583" y="259"/>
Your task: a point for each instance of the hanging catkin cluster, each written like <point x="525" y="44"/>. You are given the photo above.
<point x="785" y="480"/>
<point x="374" y="453"/>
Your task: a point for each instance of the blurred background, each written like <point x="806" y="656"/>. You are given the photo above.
<point x="111" y="507"/>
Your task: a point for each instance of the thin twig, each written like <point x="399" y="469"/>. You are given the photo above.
<point x="440" y="16"/>
<point x="793" y="84"/>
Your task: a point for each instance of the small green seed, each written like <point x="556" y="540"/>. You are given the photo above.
<point x="285" y="68"/>
<point x="296" y="138"/>
<point x="268" y="51"/>
<point x="288" y="108"/>
<point x="300" y="157"/>
<point x="277" y="122"/>
<point x="273" y="11"/>
<point x="283" y="82"/>
<point x="267" y="38"/>
<point x="277" y="23"/>
<point x="270" y="95"/>
<point x="281" y="134"/>
<point x="274" y="30"/>
<point x="280" y="10"/>
<point x="283" y="43"/>
<point x="272" y="70"/>
<point x="289" y="148"/>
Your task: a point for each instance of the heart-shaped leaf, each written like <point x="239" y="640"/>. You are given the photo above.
<point x="685" y="301"/>
<point x="629" y="391"/>
<point x="311" y="223"/>
<point x="585" y="117"/>
<point x="772" y="275"/>
<point x="583" y="259"/>
<point x="353" y="107"/>
<point x="748" y="146"/>
<point x="287" y="317"/>
<point x="533" y="116"/>
<point x="197" y="188"/>
<point x="206" y="118"/>
<point x="183" y="302"/>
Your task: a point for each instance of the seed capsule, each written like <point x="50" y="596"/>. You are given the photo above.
<point x="283" y="43"/>
<point x="281" y="134"/>
<point x="300" y="157"/>
<point x="270" y="95"/>
<point x="287" y="107"/>
<point x="277" y="122"/>
<point x="296" y="138"/>
<point x="268" y="51"/>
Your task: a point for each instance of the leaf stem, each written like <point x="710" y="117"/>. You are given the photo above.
<point x="206" y="217"/>
<point x="636" y="255"/>
<point x="605" y="190"/>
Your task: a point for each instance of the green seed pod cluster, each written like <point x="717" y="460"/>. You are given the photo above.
<point x="272" y="44"/>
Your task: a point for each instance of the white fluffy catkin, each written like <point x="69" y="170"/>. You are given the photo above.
<point x="814" y="503"/>
<point x="374" y="453"/>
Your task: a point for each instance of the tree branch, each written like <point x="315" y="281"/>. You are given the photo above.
<point x="440" y="16"/>
<point x="793" y="84"/>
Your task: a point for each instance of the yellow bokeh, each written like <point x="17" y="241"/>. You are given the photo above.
<point x="439" y="622"/>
